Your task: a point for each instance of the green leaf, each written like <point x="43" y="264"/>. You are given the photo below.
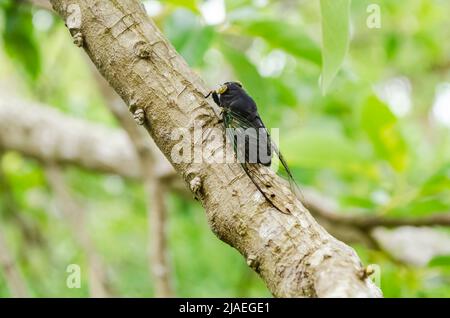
<point x="285" y="36"/>
<point x="189" y="4"/>
<point x="246" y="73"/>
<point x="189" y="37"/>
<point x="423" y="206"/>
<point x="282" y="93"/>
<point x="268" y="93"/>
<point x="335" y="38"/>
<point x="438" y="182"/>
<point x="18" y="38"/>
<point x="380" y="125"/>
<point x="313" y="148"/>
<point x="440" y="261"/>
<point x="198" y="43"/>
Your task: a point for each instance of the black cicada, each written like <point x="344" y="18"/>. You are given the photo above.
<point x="252" y="143"/>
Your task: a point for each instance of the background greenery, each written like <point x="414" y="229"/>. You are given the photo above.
<point x="363" y="128"/>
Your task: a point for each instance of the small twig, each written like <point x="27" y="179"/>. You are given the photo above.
<point x="149" y="159"/>
<point x="12" y="274"/>
<point x="75" y="215"/>
<point x="13" y="277"/>
<point x="321" y="207"/>
<point x="42" y="4"/>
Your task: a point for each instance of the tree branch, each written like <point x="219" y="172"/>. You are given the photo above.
<point x="323" y="209"/>
<point x="47" y="135"/>
<point x="292" y="253"/>
<point x="11" y="273"/>
<point x="148" y="156"/>
<point x="14" y="121"/>
<point x="76" y="219"/>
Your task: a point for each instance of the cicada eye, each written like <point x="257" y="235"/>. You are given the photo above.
<point x="222" y="89"/>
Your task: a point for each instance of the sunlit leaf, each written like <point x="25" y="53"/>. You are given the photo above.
<point x="335" y="38"/>
<point x="439" y="181"/>
<point x="282" y="93"/>
<point x="18" y="38"/>
<point x="357" y="201"/>
<point x="423" y="206"/>
<point x="380" y="125"/>
<point x="440" y="261"/>
<point x="246" y="73"/>
<point x="189" y="4"/>
<point x="290" y="38"/>
<point x="313" y="148"/>
<point x="189" y="37"/>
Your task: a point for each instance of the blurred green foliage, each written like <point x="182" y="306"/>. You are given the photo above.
<point x="18" y="37"/>
<point x="335" y="37"/>
<point x="374" y="148"/>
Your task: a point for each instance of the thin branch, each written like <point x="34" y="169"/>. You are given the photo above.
<point x="12" y="275"/>
<point x="75" y="216"/>
<point x="323" y="208"/>
<point x="154" y="186"/>
<point x="42" y="4"/>
<point x="160" y="265"/>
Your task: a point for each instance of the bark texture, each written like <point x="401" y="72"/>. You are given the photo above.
<point x="20" y="119"/>
<point x="292" y="253"/>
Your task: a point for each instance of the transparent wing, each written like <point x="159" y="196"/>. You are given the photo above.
<point x="251" y="143"/>
<point x="237" y="125"/>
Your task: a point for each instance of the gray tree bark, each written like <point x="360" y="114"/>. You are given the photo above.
<point x="292" y="253"/>
<point x="23" y="127"/>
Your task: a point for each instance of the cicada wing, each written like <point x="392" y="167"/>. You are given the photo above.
<point x="267" y="182"/>
<point x="242" y="136"/>
<point x="288" y="174"/>
<point x="250" y="140"/>
<point x="236" y="125"/>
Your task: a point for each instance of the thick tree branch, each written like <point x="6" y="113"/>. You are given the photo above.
<point x="14" y="116"/>
<point x="48" y="135"/>
<point x="292" y="253"/>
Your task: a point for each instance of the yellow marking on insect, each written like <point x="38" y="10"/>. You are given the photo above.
<point x="222" y="89"/>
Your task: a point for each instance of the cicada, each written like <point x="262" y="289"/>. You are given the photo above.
<point x="253" y="144"/>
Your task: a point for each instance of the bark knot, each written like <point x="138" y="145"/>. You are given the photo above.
<point x="195" y="185"/>
<point x="78" y="39"/>
<point x="366" y="272"/>
<point x="252" y="261"/>
<point x="139" y="116"/>
<point x="142" y="49"/>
